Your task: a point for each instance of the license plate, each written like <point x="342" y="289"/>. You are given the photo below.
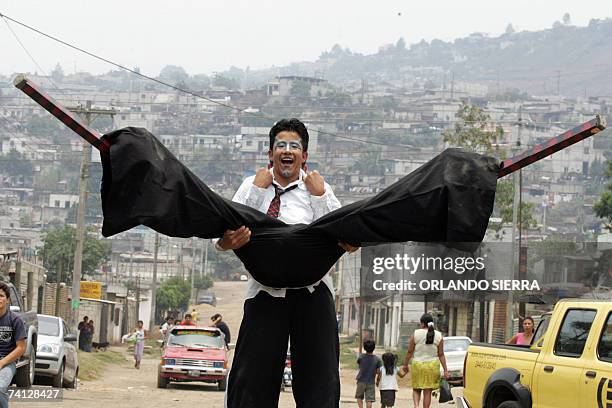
<point x="193" y="373"/>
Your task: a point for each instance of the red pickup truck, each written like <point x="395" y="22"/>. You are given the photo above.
<point x="194" y="354"/>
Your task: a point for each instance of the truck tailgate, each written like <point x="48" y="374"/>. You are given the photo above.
<point x="483" y="359"/>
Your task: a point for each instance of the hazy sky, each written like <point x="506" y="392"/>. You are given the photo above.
<point x="206" y="36"/>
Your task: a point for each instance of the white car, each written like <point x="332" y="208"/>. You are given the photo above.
<point x="455" y="350"/>
<point x="56" y="354"/>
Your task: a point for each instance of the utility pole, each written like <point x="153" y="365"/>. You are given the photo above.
<point x="58" y="289"/>
<point x="206" y="258"/>
<point x="181" y="261"/>
<point x="154" y="282"/>
<point x="137" y="297"/>
<point x="80" y="221"/>
<point x="515" y="220"/>
<point x="193" y="245"/>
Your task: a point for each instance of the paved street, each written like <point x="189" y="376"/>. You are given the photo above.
<point x="123" y="386"/>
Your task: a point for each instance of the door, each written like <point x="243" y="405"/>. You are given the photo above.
<point x="559" y="368"/>
<point x="381" y="327"/>
<point x="596" y="378"/>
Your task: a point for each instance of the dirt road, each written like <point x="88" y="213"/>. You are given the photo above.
<point x="122" y="386"/>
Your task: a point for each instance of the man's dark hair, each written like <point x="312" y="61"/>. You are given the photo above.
<point x="188" y="315"/>
<point x="85" y="318"/>
<point x="369" y="346"/>
<point x="140" y="321"/>
<point x="290" y="125"/>
<point x="169" y="318"/>
<point x="4" y="287"/>
<point x="215" y="316"/>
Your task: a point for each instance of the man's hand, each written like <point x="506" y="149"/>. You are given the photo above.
<point x="235" y="239"/>
<point x="263" y="178"/>
<point x="347" y="247"/>
<point x="314" y="183"/>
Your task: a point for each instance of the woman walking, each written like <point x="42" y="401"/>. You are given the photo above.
<point x="425" y="353"/>
<point x="140" y="334"/>
<point x="526" y="337"/>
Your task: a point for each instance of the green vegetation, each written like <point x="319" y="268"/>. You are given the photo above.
<point x="58" y="248"/>
<point x="473" y="131"/>
<point x="603" y="207"/>
<point x="174" y="293"/>
<point x="92" y="364"/>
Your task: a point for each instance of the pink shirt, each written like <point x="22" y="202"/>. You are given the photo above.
<point x="520" y="339"/>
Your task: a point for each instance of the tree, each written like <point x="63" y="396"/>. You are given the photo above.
<point x="58" y="73"/>
<point x="174" y="293"/>
<point x="400" y="45"/>
<point x="567" y="20"/>
<point x="510" y="29"/>
<point x="45" y="125"/>
<point x="603" y="207"/>
<point x="202" y="283"/>
<point x="59" y="245"/>
<point x="369" y="164"/>
<point x="504" y="199"/>
<point x="471" y="131"/>
<point x="15" y="164"/>
<point x="300" y="89"/>
<point x="225" y="82"/>
<point x="173" y="74"/>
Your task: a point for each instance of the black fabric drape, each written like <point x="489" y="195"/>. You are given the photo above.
<point x="449" y="199"/>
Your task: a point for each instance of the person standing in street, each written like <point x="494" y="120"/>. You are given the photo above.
<point x="425" y="353"/>
<point x="289" y="192"/>
<point x="140" y="334"/>
<point x="82" y="327"/>
<point x="217" y="321"/>
<point x="369" y="370"/>
<point x="187" y="320"/>
<point x="165" y="329"/>
<point x="194" y="316"/>
<point x="12" y="343"/>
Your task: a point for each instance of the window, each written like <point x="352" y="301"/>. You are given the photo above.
<point x="604" y="348"/>
<point x="66" y="204"/>
<point x="574" y="332"/>
<point x="57" y="203"/>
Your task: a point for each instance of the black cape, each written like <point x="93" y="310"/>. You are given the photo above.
<point x="449" y="200"/>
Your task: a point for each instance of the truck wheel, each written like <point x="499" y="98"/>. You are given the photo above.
<point x="162" y="382"/>
<point x="510" y="404"/>
<point x="58" y="379"/>
<point x="24" y="377"/>
<point x="222" y="384"/>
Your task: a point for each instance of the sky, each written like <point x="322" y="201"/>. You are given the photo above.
<point x="211" y="35"/>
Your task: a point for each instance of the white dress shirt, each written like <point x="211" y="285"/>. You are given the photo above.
<point x="297" y="206"/>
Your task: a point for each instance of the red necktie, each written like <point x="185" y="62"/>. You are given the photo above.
<point x="274" y="209"/>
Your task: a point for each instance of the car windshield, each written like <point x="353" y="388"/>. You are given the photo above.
<point x="451" y="345"/>
<point x="196" y="338"/>
<point x="48" y="326"/>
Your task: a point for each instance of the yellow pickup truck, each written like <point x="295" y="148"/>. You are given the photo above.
<point x="569" y="363"/>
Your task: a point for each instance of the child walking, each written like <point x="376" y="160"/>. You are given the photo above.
<point x="369" y="367"/>
<point x="386" y="380"/>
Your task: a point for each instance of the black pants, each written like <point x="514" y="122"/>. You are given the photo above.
<point x="268" y="322"/>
